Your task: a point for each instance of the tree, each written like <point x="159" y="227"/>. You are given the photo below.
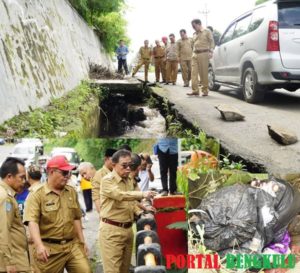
<point x="106" y="17"/>
<point x="258" y="2"/>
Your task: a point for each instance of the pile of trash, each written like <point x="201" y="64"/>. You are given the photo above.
<point x="252" y="218"/>
<point x="99" y="72"/>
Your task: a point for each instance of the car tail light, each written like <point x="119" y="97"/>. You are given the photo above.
<point x="273" y="37"/>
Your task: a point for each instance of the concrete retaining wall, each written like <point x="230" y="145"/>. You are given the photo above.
<point x="45" y="48"/>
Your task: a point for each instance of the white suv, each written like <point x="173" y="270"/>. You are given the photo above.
<point x="260" y="51"/>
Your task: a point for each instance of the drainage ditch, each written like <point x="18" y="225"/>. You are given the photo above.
<point x="132" y="115"/>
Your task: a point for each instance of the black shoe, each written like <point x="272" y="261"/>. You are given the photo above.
<point x="175" y="193"/>
<point x="174" y="83"/>
<point x="166" y="83"/>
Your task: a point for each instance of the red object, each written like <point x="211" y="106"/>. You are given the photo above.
<point x="273" y="37"/>
<point x="59" y="162"/>
<point x="172" y="241"/>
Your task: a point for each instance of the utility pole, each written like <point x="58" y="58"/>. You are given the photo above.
<point x="205" y="12"/>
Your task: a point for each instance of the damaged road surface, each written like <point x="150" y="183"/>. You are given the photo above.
<point x="249" y="139"/>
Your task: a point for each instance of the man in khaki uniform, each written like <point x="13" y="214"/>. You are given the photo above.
<point x="172" y="61"/>
<point x="203" y="45"/>
<point x="34" y="176"/>
<point x="164" y="70"/>
<point x="96" y="180"/>
<point x="118" y="207"/>
<point x="14" y="256"/>
<point x="185" y="51"/>
<point x="53" y="215"/>
<point x="159" y="56"/>
<point x="145" y="59"/>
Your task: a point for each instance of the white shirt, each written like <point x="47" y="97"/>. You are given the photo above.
<point x="144" y="183"/>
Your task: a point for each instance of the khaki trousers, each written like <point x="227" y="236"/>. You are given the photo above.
<point x="116" y="248"/>
<point x="186" y="71"/>
<point x="69" y="256"/>
<point x="146" y="64"/>
<point x="159" y="67"/>
<point x="164" y="70"/>
<point x="172" y="70"/>
<point x="200" y="64"/>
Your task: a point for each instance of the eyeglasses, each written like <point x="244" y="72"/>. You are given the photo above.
<point x="64" y="173"/>
<point x="126" y="165"/>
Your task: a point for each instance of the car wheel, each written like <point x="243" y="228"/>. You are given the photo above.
<point x="252" y="91"/>
<point x="211" y="80"/>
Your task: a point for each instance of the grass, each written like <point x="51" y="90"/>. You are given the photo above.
<point x="65" y="115"/>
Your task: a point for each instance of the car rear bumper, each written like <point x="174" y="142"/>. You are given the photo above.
<point x="270" y="71"/>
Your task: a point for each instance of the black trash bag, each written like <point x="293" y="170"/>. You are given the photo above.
<point x="276" y="209"/>
<point x="287" y="206"/>
<point x="229" y="216"/>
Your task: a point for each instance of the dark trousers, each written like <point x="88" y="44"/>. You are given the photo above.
<point x="87" y="195"/>
<point x="122" y="63"/>
<point x="168" y="163"/>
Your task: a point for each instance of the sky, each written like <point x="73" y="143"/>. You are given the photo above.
<point x="152" y="19"/>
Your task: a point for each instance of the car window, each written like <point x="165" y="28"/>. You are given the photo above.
<point x="242" y="27"/>
<point x="289" y="15"/>
<point x="257" y="18"/>
<point x="227" y="36"/>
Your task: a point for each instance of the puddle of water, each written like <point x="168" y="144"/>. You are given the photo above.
<point x="153" y="127"/>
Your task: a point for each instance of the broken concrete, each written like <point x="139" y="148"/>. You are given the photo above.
<point x="125" y="86"/>
<point x="230" y="113"/>
<point x="282" y="135"/>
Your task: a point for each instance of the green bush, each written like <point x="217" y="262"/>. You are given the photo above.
<point x="106" y="17"/>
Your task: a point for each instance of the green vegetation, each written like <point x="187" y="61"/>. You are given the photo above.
<point x="258" y="2"/>
<point x="92" y="150"/>
<point x="106" y="16"/>
<point x="67" y="115"/>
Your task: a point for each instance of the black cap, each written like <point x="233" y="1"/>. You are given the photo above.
<point x="109" y="152"/>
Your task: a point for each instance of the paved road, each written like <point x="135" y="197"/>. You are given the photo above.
<point x="249" y="138"/>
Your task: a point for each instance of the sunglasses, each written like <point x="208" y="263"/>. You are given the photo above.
<point x="126" y="166"/>
<point x="64" y="173"/>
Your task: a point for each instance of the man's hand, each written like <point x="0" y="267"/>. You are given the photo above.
<point x="150" y="208"/>
<point x="149" y="194"/>
<point x="149" y="166"/>
<point x="11" y="269"/>
<point x="42" y="253"/>
<point x="210" y="55"/>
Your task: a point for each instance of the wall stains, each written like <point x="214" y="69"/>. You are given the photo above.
<point x="45" y="47"/>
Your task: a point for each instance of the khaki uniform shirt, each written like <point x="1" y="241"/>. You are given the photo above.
<point x="96" y="182"/>
<point x="203" y="40"/>
<point x="35" y="187"/>
<point x="159" y="52"/>
<point x="171" y="52"/>
<point x="118" y="198"/>
<point x="185" y="50"/>
<point x="145" y="53"/>
<point x="13" y="240"/>
<point x="55" y="214"/>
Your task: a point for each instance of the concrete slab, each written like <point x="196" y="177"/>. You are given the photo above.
<point x="248" y="139"/>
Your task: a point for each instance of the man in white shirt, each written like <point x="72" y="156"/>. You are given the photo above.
<point x="145" y="173"/>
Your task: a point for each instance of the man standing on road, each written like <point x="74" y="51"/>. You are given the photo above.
<point x="54" y="218"/>
<point x="185" y="51"/>
<point x="118" y="208"/>
<point x="122" y="52"/>
<point x="145" y="59"/>
<point x="159" y="56"/>
<point x="172" y="61"/>
<point x="164" y="71"/>
<point x="13" y="240"/>
<point x="96" y="180"/>
<point x="203" y="45"/>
